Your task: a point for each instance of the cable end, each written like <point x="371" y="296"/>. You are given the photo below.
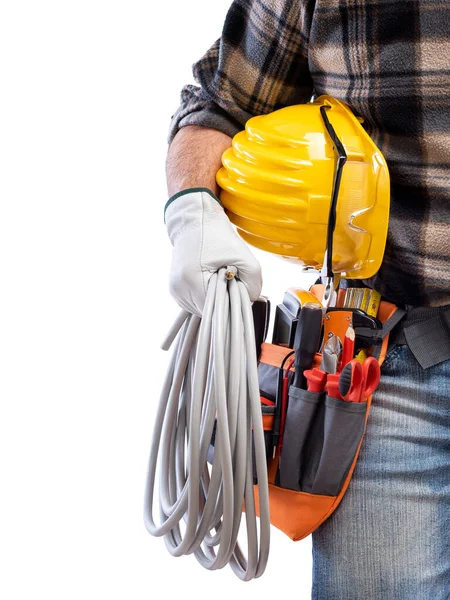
<point x="231" y="272"/>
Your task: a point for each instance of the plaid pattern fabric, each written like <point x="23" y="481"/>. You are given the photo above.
<point x="390" y="61"/>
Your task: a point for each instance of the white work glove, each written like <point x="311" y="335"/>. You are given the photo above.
<point x="203" y="241"/>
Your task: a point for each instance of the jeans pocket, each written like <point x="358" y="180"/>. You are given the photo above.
<point x="302" y="409"/>
<point x="343" y="428"/>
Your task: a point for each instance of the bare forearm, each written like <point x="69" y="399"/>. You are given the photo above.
<point x="194" y="158"/>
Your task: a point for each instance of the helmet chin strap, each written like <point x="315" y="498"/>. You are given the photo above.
<point x="327" y="275"/>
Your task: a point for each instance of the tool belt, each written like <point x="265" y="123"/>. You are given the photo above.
<point x="321" y="438"/>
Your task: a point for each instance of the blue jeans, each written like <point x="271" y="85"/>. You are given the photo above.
<point x="390" y="537"/>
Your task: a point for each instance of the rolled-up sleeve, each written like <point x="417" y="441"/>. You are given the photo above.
<point x="259" y="64"/>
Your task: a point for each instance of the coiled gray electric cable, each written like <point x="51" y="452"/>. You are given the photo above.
<point x="212" y="382"/>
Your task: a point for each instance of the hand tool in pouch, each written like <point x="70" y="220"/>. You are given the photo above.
<point x="358" y="381"/>
<point x="336" y="323"/>
<point x="307" y="340"/>
<point x="287" y="314"/>
<point x="331" y="354"/>
<point x="367" y="328"/>
<point x="331" y="358"/>
<point x="316" y="379"/>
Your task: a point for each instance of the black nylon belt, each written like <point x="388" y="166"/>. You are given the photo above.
<point x="426" y="331"/>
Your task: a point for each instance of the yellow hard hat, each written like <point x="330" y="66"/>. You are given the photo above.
<point x="306" y="181"/>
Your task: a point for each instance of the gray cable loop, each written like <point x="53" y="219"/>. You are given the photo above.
<point x="212" y="379"/>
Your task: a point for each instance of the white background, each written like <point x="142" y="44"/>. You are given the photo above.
<point x="87" y="91"/>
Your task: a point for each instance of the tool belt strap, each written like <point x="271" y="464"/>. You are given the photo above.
<point x="426" y="331"/>
<point x="384" y="335"/>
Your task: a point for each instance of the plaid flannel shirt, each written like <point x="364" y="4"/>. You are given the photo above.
<point x="389" y="60"/>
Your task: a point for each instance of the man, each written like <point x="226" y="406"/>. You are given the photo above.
<point x="390" y="62"/>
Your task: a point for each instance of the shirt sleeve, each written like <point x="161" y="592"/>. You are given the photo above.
<point x="259" y="64"/>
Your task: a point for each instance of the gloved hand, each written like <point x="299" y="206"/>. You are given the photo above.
<point x="204" y="240"/>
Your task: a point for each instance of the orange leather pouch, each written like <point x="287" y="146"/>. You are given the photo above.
<point x="320" y="446"/>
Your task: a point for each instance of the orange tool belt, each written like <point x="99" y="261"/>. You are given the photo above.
<point x="320" y="441"/>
